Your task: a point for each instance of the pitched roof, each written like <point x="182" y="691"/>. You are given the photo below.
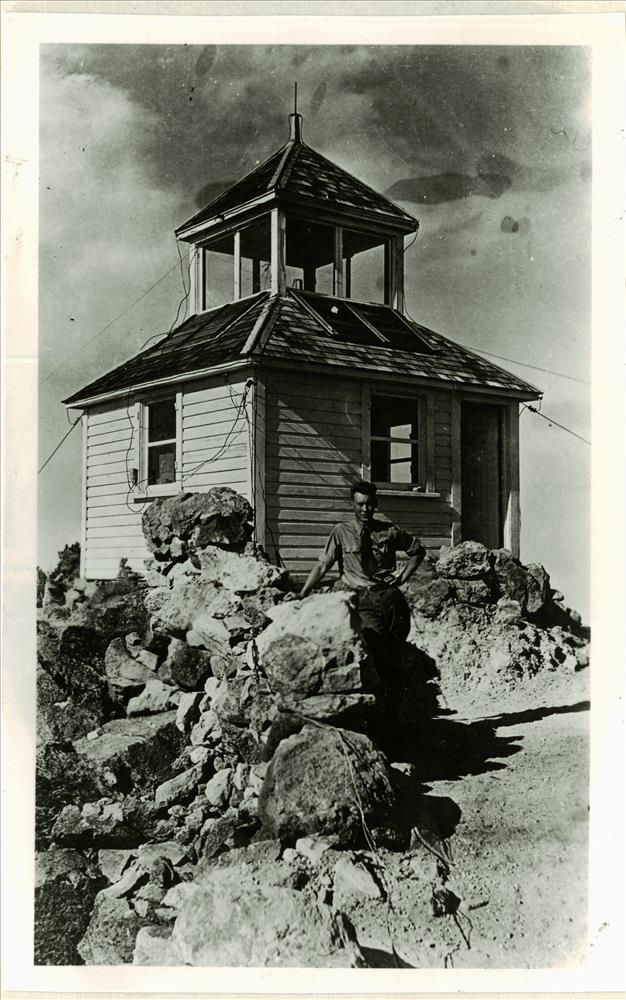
<point x="296" y="171"/>
<point x="303" y="327"/>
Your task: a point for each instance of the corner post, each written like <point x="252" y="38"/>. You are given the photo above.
<point x="257" y="460"/>
<point x="339" y="276"/>
<point x="279" y="276"/>
<point x="455" y="489"/>
<point x="396" y="275"/>
<point x="510" y="485"/>
<point x="83" y="514"/>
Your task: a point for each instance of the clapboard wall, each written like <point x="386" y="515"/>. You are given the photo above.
<point x="315" y="447"/>
<point x="215" y="452"/>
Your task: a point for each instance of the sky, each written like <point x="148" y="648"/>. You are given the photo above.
<point x="489" y="147"/>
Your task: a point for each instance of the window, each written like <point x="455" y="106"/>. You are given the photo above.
<point x="160" y="440"/>
<point x="396" y="450"/>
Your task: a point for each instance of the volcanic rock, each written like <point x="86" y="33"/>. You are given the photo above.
<point x="65" y="888"/>
<point x="324" y="781"/>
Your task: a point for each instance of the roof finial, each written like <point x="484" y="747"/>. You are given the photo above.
<point x="295" y="120"/>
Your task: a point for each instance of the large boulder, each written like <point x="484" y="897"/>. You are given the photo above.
<point x="467" y="561"/>
<point x="134" y="753"/>
<point x="241" y="573"/>
<point x="62" y="777"/>
<point x="185" y="666"/>
<point x="245" y="916"/>
<point x="110" y="935"/>
<point x="127" y="668"/>
<point x="314" y="660"/>
<point x="72" y="655"/>
<point x="194" y="520"/>
<point x="326" y="780"/>
<point x="65" y="888"/>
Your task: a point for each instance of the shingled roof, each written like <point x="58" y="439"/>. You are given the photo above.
<point x="296" y="172"/>
<point x="305" y="328"/>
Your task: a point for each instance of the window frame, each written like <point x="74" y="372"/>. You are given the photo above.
<point x="425" y="486"/>
<point x="145" y="489"/>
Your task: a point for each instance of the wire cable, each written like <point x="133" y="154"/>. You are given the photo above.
<point x="110" y="323"/>
<point x="533" y="409"/>
<point x="53" y="453"/>
<point x="524" y="364"/>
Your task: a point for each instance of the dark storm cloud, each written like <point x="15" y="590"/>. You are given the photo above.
<point x="439" y="109"/>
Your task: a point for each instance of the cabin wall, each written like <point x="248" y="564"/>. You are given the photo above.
<point x="215" y="452"/>
<point x="113" y="520"/>
<point x="315" y="447"/>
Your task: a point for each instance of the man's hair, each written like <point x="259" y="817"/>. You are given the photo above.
<point x="362" y="486"/>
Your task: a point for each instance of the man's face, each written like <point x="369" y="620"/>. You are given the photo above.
<point x="364" y="507"/>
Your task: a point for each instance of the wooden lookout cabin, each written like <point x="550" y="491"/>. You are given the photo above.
<point x="297" y="372"/>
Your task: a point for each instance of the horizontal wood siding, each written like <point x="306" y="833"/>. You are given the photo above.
<point x="215" y="453"/>
<point x="216" y="438"/>
<point x="314" y="453"/>
<point x="113" y="520"/>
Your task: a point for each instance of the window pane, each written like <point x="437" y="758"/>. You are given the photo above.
<point x="364" y="266"/>
<point x="219" y="263"/>
<point x="162" y="420"/>
<point x="380" y="461"/>
<point x="161" y="464"/>
<point x="255" y="257"/>
<point x="392" y="417"/>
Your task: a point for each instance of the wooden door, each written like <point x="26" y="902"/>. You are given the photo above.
<point x="481" y="474"/>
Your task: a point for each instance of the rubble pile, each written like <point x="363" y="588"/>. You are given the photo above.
<point x="210" y="788"/>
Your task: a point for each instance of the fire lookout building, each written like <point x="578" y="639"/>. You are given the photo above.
<point x="298" y="372"/>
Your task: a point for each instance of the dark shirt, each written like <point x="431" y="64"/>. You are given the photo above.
<point x="345" y="547"/>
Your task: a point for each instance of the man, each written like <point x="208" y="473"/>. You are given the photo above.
<point x="365" y="547"/>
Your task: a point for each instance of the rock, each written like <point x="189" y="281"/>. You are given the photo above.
<point x="113" y="861"/>
<point x="510" y="576"/>
<point x="171" y="850"/>
<point x="538" y="588"/>
<point x="232" y="920"/>
<point x="65" y="888"/>
<point x="116" y="615"/>
<point x="218" y="789"/>
<point x="206" y="730"/>
<point x="186" y="667"/>
<point x="181" y="787"/>
<point x="126" y="671"/>
<point x="353" y="878"/>
<point x="467" y="561"/>
<point x="310" y="784"/>
<point x="98" y="824"/>
<point x="73" y="657"/>
<point x="243" y="574"/>
<point x="154" y="946"/>
<point x="471" y="591"/>
<point x="138" y="751"/>
<point x="349" y="710"/>
<point x="312" y="647"/>
<point x="110" y="935"/>
<point x="188" y="711"/>
<point x="174" y="611"/>
<point x="224" y="665"/>
<point x="313" y="848"/>
<point x="125" y="885"/>
<point x="509" y="611"/>
<point x="155" y="697"/>
<point x="216" y="833"/>
<point x="62" y="778"/>
<point x="61" y="716"/>
<point x="219" y="516"/>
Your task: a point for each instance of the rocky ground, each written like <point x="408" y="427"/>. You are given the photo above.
<point x="216" y="784"/>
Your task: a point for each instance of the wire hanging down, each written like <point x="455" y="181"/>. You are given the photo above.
<point x="53" y="453"/>
<point x="557" y="424"/>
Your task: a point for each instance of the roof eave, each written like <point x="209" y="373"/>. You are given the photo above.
<point x="71" y="403"/>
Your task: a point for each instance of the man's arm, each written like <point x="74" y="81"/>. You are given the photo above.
<point x="415" y="552"/>
<point x="314" y="577"/>
<point x="411" y="565"/>
<point x="327" y="559"/>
